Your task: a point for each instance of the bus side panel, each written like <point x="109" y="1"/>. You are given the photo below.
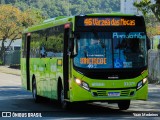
<point x="55" y="73"/>
<point x="46" y="60"/>
<point x="34" y="72"/>
<point x="53" y="77"/>
<point x="46" y="81"/>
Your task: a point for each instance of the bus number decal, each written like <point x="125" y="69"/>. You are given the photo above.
<point x="129" y="83"/>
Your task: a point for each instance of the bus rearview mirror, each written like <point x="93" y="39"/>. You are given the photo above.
<point x="158" y="46"/>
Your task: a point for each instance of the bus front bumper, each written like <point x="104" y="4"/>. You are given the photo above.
<point x="78" y="93"/>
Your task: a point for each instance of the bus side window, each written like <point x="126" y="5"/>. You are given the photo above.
<point x="53" y="42"/>
<point x="50" y="46"/>
<point x="42" y="52"/>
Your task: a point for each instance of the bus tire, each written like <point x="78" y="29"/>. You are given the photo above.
<point x="36" y="97"/>
<point x="124" y="104"/>
<point x="64" y="104"/>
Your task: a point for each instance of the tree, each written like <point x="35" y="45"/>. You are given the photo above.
<point x="156" y="9"/>
<point x="151" y="12"/>
<point x="12" y="23"/>
<point x="151" y="25"/>
<point x="32" y="16"/>
<point x="54" y="8"/>
<point x="146" y="6"/>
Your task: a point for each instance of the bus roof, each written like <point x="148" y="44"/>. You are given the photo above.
<point x="49" y="23"/>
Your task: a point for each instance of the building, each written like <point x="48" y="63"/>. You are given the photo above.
<point x="127" y="7"/>
<point x="16" y="44"/>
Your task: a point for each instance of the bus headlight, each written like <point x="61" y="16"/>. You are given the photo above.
<point x="144" y="80"/>
<point x="78" y="81"/>
<point x="82" y="84"/>
<point x="141" y="83"/>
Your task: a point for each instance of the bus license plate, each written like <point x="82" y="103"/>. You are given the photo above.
<point x="113" y="93"/>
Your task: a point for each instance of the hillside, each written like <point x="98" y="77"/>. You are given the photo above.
<point x="53" y="8"/>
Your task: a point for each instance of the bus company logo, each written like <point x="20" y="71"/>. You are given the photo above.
<point x="6" y="114"/>
<point x="113" y="84"/>
<point x="20" y="114"/>
<point x="113" y="77"/>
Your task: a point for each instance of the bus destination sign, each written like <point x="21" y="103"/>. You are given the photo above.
<point x="108" y="22"/>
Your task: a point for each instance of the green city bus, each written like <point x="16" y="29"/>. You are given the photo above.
<point x="87" y="58"/>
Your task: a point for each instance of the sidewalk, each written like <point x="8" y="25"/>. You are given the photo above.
<point x="6" y="69"/>
<point x="154" y="88"/>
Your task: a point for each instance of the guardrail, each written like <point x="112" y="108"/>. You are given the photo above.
<point x="12" y="58"/>
<point x="154" y="65"/>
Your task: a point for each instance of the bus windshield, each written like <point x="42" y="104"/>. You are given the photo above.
<point x="104" y="50"/>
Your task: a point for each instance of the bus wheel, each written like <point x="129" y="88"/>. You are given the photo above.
<point x="34" y="92"/>
<point x="124" y="104"/>
<point x="64" y="104"/>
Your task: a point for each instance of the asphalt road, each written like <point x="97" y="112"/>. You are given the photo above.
<point x="19" y="103"/>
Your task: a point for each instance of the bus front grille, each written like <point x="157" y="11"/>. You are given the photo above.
<point x="100" y="93"/>
<point x="125" y="92"/>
